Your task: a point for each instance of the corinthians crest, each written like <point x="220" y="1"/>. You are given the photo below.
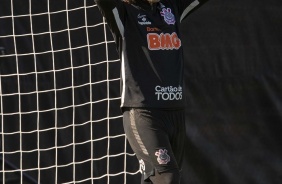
<point x="168" y="16"/>
<point x="163" y="157"/>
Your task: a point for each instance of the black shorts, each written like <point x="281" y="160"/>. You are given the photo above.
<point x="157" y="137"/>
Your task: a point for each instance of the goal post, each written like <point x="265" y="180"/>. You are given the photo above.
<point x="60" y="96"/>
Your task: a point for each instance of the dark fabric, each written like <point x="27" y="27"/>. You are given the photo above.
<point x="151" y="51"/>
<point x="157" y="137"/>
<point x="169" y="177"/>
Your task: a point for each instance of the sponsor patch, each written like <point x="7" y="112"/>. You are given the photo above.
<point x="168" y="93"/>
<point x="153" y="29"/>
<point x="163" y="41"/>
<point x="162" y="156"/>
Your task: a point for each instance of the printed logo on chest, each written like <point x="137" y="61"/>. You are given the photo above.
<point x="168" y="16"/>
<point x="163" y="41"/>
<point x="143" y="20"/>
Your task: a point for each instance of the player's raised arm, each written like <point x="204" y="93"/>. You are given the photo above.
<point x="106" y="7"/>
<point x="113" y="11"/>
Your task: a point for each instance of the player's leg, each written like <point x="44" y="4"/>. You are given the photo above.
<point x="175" y="120"/>
<point x="137" y="145"/>
<point x="150" y="140"/>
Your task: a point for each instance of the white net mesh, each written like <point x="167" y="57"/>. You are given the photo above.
<point x="59" y="86"/>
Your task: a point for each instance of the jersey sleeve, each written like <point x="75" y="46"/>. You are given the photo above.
<point x="113" y="11"/>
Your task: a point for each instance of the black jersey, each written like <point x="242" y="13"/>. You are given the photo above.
<point x="150" y="47"/>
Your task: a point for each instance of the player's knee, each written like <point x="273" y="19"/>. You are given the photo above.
<point x="168" y="177"/>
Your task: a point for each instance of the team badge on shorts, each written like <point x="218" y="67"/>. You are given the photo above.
<point x="163" y="157"/>
<point x="168" y="16"/>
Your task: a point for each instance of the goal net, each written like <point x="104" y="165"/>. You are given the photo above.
<point x="59" y="103"/>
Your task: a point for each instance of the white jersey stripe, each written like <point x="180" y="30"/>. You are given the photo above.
<point x="121" y="30"/>
<point x="123" y="78"/>
<point x="119" y="22"/>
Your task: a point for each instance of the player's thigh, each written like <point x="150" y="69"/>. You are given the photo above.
<point x="149" y="140"/>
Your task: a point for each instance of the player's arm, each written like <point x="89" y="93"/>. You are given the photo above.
<point x="113" y="11"/>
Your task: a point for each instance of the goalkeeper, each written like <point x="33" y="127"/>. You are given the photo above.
<point x="152" y="93"/>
